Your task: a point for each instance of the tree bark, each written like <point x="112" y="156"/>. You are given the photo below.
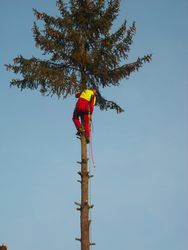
<point x="84" y="212"/>
<point x="84" y="218"/>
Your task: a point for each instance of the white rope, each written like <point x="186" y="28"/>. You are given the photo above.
<point x="91" y="145"/>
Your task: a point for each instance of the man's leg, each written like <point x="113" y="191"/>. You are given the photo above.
<point x="86" y="122"/>
<point x="76" y="119"/>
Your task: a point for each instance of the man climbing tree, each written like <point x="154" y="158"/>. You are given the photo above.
<point x="81" y="52"/>
<point x="84" y="110"/>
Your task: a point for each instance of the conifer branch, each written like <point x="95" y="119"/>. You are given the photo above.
<point x="106" y="105"/>
<point x="124" y="71"/>
<point x="107" y="17"/>
<point x="49" y="77"/>
<point x="62" y="8"/>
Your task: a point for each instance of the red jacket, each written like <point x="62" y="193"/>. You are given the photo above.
<point x="86" y="101"/>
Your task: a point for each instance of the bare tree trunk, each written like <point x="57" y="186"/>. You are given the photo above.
<point x="84" y="219"/>
<point x="84" y="207"/>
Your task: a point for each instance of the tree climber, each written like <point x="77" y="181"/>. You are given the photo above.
<point x="83" y="111"/>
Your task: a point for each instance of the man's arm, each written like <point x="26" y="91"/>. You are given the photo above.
<point x="92" y="104"/>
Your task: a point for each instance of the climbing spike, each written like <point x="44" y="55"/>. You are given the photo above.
<point x="91" y="206"/>
<point x="79" y="162"/>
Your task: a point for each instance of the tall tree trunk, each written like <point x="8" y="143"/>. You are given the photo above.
<point x="84" y="212"/>
<point x="84" y="218"/>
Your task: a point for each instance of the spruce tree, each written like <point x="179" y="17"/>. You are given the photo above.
<point x="80" y="51"/>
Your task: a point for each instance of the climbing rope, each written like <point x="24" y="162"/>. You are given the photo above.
<point x="91" y="145"/>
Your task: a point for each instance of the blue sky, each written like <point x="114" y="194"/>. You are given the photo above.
<point x="140" y="184"/>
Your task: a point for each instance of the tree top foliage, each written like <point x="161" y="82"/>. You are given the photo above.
<point x="81" y="51"/>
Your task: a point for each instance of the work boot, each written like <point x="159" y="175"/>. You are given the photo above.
<point x="87" y="140"/>
<point x="79" y="131"/>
